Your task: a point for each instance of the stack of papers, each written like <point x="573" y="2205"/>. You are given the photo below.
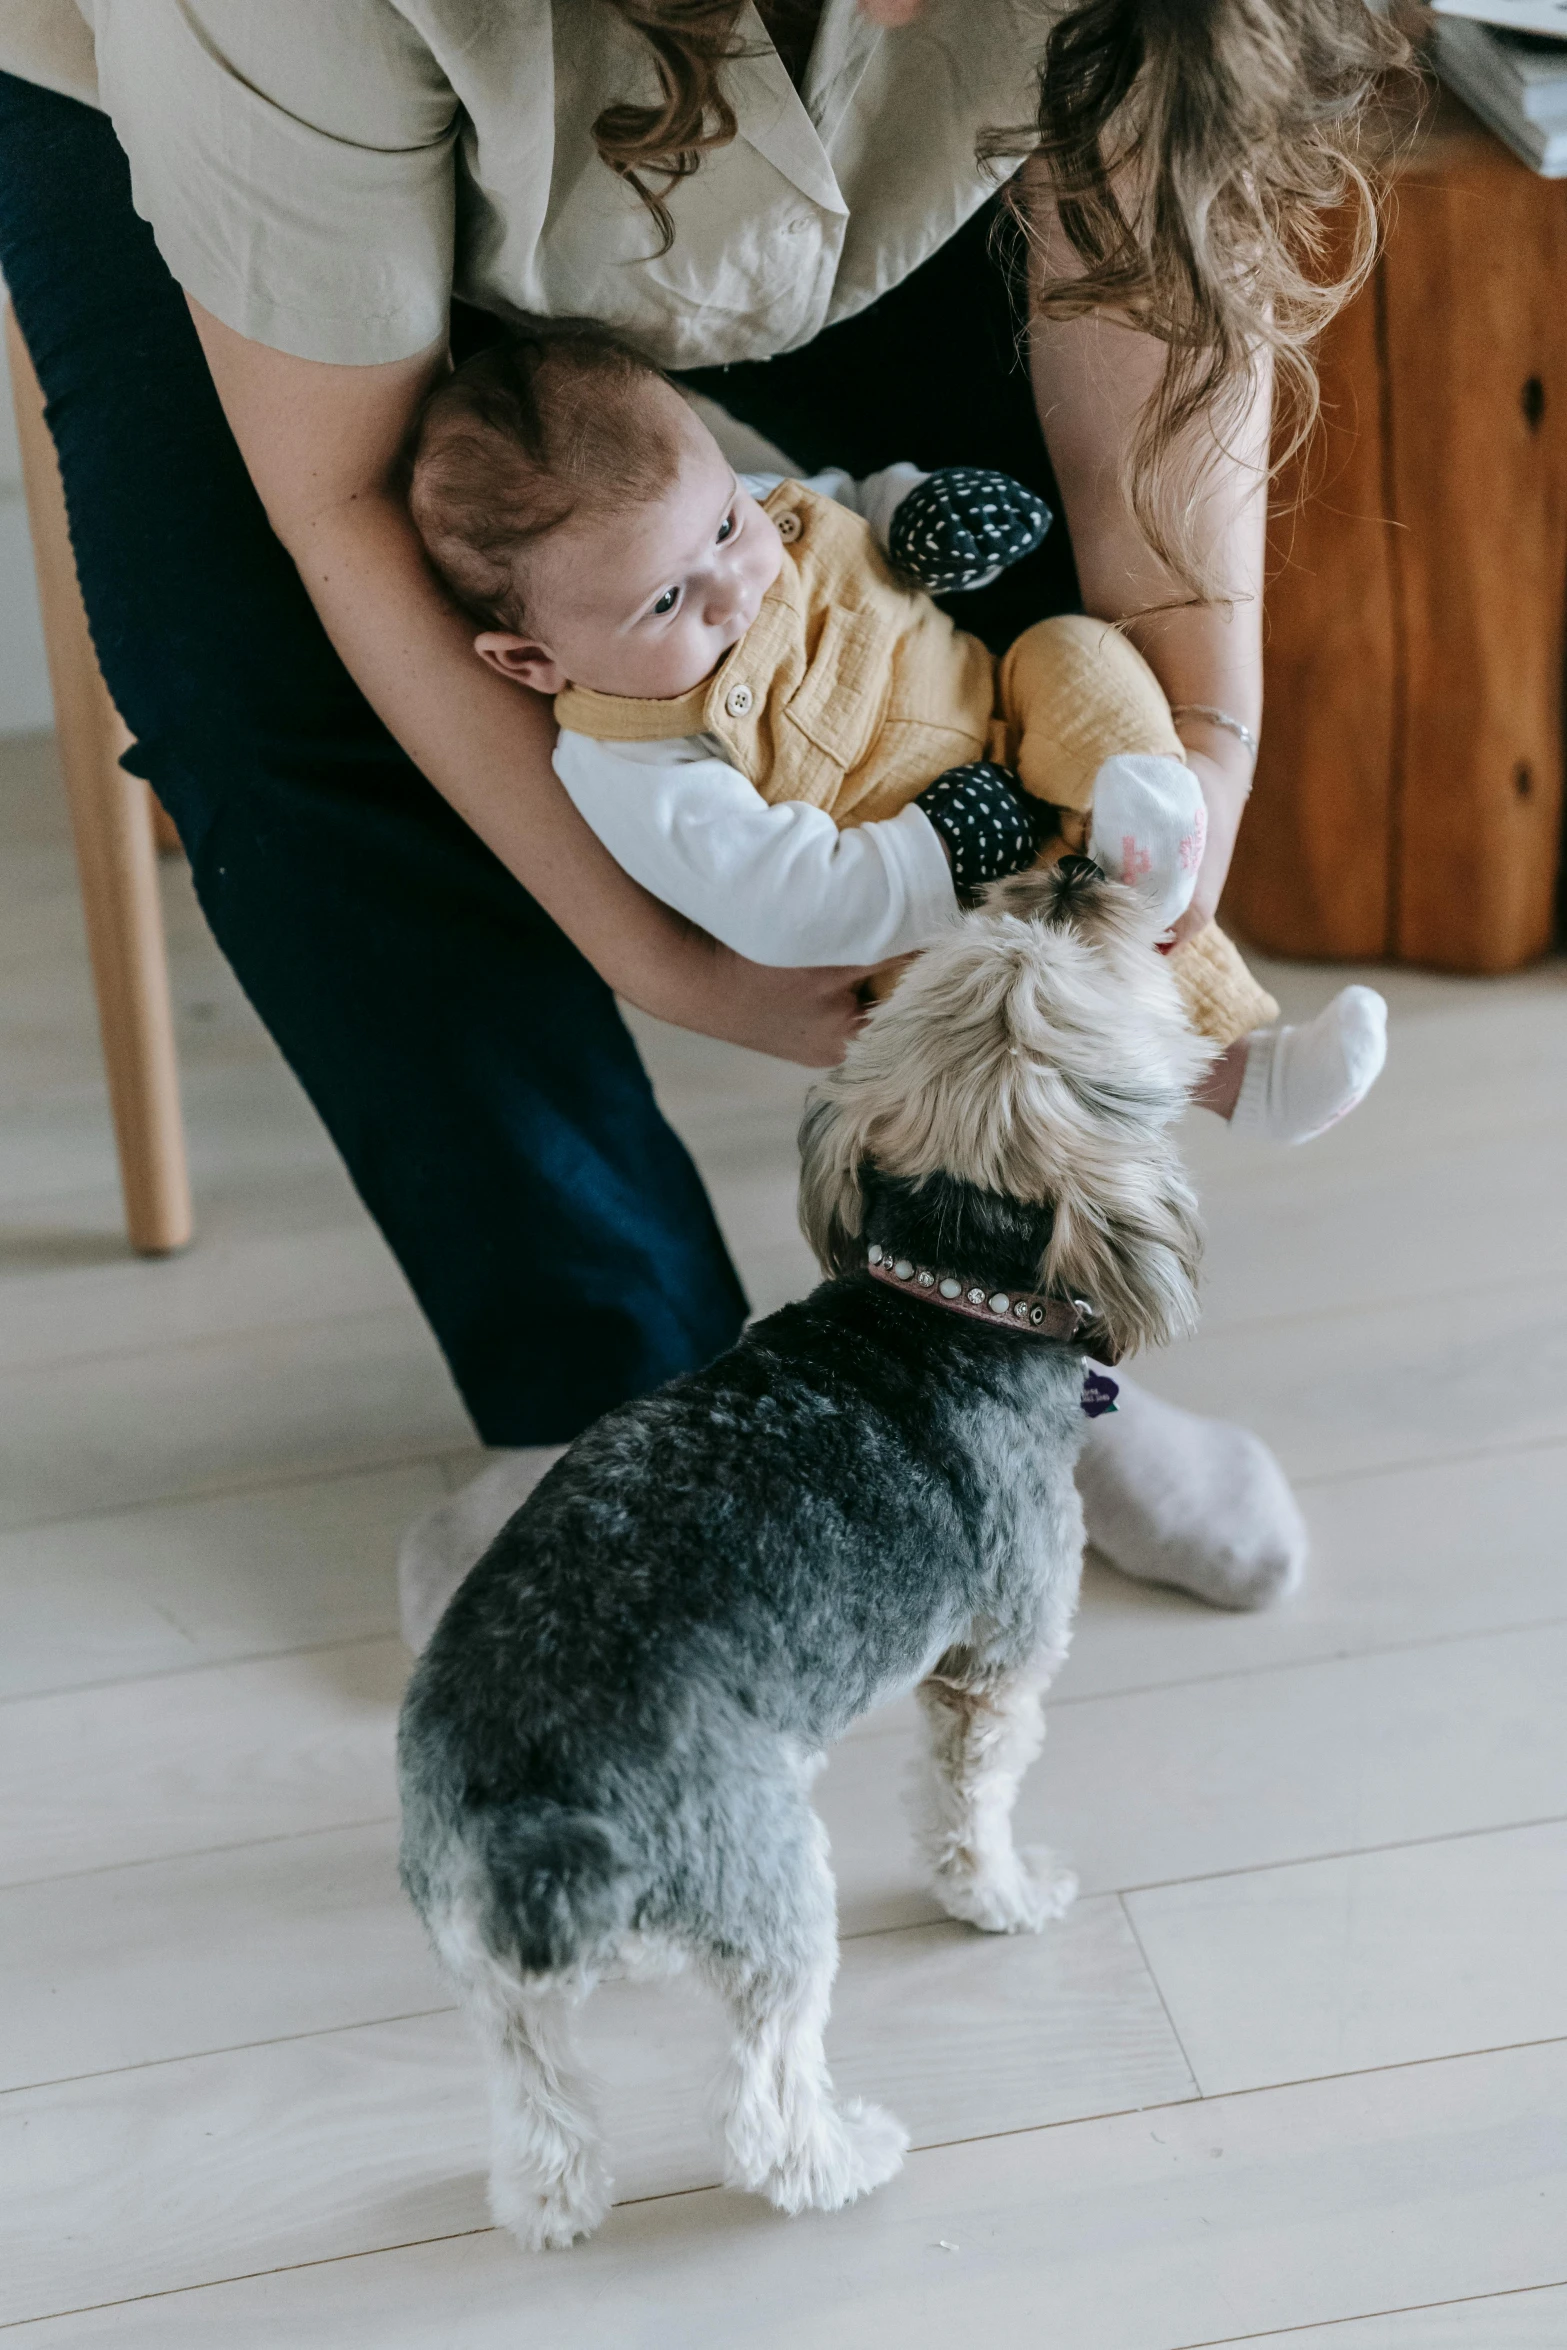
<point x="1508" y="60"/>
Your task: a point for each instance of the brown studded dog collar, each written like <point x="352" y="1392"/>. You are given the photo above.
<point x="1033" y="1312"/>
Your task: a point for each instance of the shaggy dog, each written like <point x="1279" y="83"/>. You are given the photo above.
<point x="608" y="1746"/>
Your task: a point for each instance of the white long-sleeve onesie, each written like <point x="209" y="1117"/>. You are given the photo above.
<point x="781" y="884"/>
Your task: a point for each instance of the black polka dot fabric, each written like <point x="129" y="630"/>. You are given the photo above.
<point x="963" y="526"/>
<point x="987" y="820"/>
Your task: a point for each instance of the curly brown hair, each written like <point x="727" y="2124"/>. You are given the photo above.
<point x="655" y="147"/>
<point x="1208" y="161"/>
<point x="1210" y="164"/>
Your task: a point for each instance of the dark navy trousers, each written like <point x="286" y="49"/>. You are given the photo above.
<point x="472" y="1068"/>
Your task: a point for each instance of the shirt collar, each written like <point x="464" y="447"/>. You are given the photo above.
<point x="846" y="41"/>
<point x="773" y="116"/>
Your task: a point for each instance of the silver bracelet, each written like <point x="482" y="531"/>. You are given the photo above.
<point x="1241" y="732"/>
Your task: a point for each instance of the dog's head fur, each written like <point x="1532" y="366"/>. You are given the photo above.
<point x="1038" y="1053"/>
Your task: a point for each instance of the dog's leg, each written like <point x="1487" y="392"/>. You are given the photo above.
<point x="548" y="2181"/>
<point x="984" y="1733"/>
<point x="786" y="2134"/>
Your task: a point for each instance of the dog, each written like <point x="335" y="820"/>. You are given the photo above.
<point x="607" y="1748"/>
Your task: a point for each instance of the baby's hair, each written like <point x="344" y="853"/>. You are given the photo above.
<point x="552" y="423"/>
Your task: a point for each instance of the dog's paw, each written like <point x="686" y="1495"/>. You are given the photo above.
<point x="550" y="2214"/>
<point x="1020" y="1897"/>
<point x="848" y="2151"/>
<point x="1054" y="1883"/>
<point x="877" y="2142"/>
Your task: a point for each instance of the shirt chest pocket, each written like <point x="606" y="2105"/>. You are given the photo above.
<point x="839" y="703"/>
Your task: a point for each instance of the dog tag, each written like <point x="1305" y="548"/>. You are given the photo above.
<point x="1099" y="1394"/>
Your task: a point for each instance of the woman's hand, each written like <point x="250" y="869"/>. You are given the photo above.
<point x="805" y="1016"/>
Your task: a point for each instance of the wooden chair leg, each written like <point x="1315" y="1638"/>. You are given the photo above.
<point x="115" y="858"/>
<point x="164" y="837"/>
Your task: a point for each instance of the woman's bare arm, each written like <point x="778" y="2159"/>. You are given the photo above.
<point x="322" y="444"/>
<point x="1091" y="379"/>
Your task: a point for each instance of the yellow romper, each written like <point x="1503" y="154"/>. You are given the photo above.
<point x="852" y="691"/>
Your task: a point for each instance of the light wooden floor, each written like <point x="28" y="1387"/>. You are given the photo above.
<point x="1295" y="2066"/>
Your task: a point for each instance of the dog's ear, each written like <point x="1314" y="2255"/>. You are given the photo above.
<point x="1132" y="1249"/>
<point x="832" y="1204"/>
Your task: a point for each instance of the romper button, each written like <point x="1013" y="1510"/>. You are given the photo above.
<point x="738" y="700"/>
<point x="789" y="528"/>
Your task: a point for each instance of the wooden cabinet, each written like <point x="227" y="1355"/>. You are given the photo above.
<point x="1408" y="803"/>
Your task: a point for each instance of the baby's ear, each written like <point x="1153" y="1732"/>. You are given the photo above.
<point x="521" y="660"/>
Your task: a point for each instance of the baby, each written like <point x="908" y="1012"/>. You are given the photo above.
<point x="773" y="728"/>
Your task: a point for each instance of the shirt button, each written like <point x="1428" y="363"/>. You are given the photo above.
<point x="738" y="700"/>
<point x="789" y="527"/>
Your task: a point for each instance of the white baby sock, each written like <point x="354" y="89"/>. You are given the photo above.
<point x="1148" y="827"/>
<point x="1300" y="1081"/>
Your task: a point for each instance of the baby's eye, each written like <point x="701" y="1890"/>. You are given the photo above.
<point x="668" y="600"/>
<point x="726" y="529"/>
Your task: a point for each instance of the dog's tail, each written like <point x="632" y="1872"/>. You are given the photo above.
<point x="562" y="1886"/>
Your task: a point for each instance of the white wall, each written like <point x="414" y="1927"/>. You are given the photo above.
<point x="24" y="687"/>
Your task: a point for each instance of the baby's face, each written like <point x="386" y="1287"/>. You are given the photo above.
<point x="648" y="602"/>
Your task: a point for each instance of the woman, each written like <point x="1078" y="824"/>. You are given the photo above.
<point x="233" y="236"/>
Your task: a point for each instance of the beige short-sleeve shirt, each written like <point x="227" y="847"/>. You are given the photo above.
<point x="323" y="175"/>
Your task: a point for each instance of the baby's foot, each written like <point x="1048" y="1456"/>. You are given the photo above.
<point x="962" y="527"/>
<point x="1300" y="1081"/>
<point x="1148" y="827"/>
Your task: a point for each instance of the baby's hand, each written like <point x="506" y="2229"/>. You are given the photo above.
<point x="962" y="527"/>
<point x="1149" y="827"/>
<point x="985" y="821"/>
